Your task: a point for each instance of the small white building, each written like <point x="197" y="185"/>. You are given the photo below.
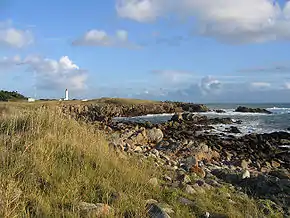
<point x="31" y="100"/>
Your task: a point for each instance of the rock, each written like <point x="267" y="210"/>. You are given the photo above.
<point x="252" y="110"/>
<point x="228" y="155"/>
<point x="138" y="149"/>
<point x="167" y="178"/>
<point x="246" y="174"/>
<point x="186" y="201"/>
<point x="156" y="210"/>
<point x="213" y="183"/>
<point x="177" y="117"/>
<point x="155" y="152"/>
<point x="280" y="173"/>
<point x="154" y="135"/>
<point x="207" y="215"/>
<point x="189" y="162"/>
<point x="189" y="190"/>
<point x="220" y="111"/>
<point x="200" y="182"/>
<point x="275" y="164"/>
<point x="285" y="141"/>
<point x="193" y="107"/>
<point x="234" y="130"/>
<point x="139" y="139"/>
<point x="185" y="179"/>
<point x="153" y="182"/>
<point x="244" y="164"/>
<point x="96" y="210"/>
<point x="198" y="171"/>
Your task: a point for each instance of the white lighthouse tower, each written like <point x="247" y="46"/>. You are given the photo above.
<point x="66" y="95"/>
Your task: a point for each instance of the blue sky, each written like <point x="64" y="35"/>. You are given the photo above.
<point x="191" y="50"/>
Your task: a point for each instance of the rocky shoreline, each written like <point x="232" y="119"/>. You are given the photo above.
<point x="257" y="165"/>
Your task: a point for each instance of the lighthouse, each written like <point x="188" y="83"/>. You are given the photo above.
<point x="66" y="95"/>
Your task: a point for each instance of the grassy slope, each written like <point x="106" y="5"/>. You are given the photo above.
<point x="124" y="101"/>
<point x="49" y="163"/>
<point x="117" y="101"/>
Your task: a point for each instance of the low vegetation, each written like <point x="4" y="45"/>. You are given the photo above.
<point x="50" y="163"/>
<point x="10" y="96"/>
<point x="123" y="101"/>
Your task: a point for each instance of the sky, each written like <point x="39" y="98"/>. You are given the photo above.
<point x="200" y="51"/>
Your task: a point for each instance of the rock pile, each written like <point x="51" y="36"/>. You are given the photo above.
<point x="252" y="110"/>
<point x="256" y="163"/>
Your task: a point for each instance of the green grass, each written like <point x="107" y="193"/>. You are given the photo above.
<point x="50" y="163"/>
<point x="124" y="101"/>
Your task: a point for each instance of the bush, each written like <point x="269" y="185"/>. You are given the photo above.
<point x="6" y="96"/>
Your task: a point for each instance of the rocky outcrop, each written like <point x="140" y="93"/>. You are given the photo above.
<point x="191" y="118"/>
<point x="252" y="110"/>
<point x="105" y="112"/>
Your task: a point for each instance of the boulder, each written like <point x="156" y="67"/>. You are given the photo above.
<point x="220" y="111"/>
<point x="95" y="210"/>
<point x="177" y="117"/>
<point x="252" y="110"/>
<point x="154" y="135"/>
<point x="157" y="210"/>
<point x="189" y="190"/>
<point x="234" y="129"/>
<point x="246" y="174"/>
<point x="186" y="201"/>
<point x="154" y="182"/>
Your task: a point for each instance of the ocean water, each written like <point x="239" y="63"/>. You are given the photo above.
<point x="251" y="122"/>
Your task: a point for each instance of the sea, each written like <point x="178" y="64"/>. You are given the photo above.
<point x="251" y="122"/>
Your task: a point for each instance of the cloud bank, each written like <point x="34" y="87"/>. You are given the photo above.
<point x="247" y="21"/>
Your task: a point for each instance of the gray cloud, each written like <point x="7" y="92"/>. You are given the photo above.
<point x="247" y="21"/>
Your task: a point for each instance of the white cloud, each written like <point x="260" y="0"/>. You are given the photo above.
<point x="287" y="85"/>
<point x="13" y="37"/>
<point x="210" y="85"/>
<point x="142" y="11"/>
<point x="260" y="85"/>
<point x="228" y="20"/>
<point x="57" y="74"/>
<point x="50" y="74"/>
<point x="7" y="62"/>
<point x="174" y="76"/>
<point x="101" y="38"/>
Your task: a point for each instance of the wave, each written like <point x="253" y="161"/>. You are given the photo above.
<point x="277" y="110"/>
<point x="231" y="112"/>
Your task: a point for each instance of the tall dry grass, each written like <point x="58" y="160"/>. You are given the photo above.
<point x="49" y="163"/>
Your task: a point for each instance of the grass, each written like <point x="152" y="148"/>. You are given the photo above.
<point x="101" y="101"/>
<point x="50" y="163"/>
<point x="124" y="101"/>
